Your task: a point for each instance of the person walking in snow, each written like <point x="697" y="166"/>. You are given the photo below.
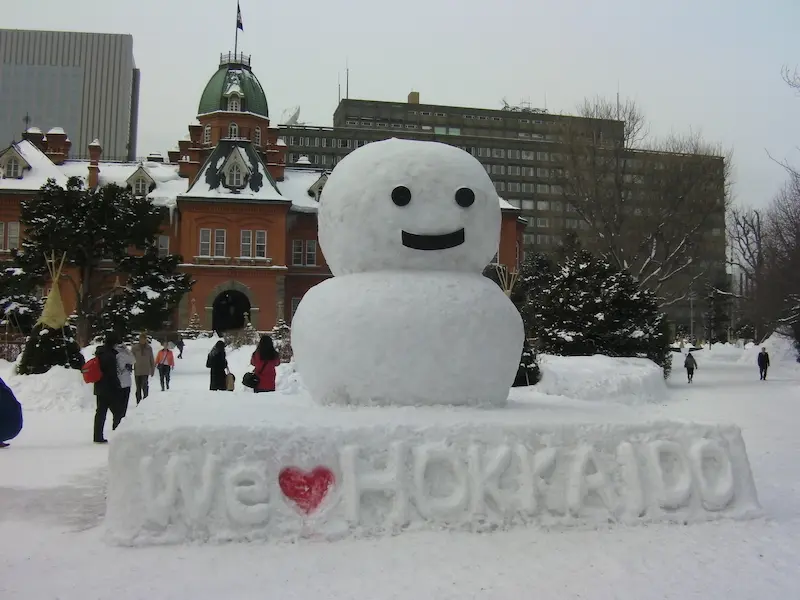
<point x="763" y="363"/>
<point x="144" y="367"/>
<point x="10" y="415"/>
<point x="125" y="362"/>
<point x="690" y="364"/>
<point x="107" y="390"/>
<point x="265" y="360"/>
<point x="217" y="362"/>
<point x="165" y="362"/>
<point x="180" y="345"/>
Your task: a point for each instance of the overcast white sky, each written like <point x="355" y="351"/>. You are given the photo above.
<point x="708" y="65"/>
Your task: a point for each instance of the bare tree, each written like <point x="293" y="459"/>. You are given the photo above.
<point x="746" y="232"/>
<point x="648" y="206"/>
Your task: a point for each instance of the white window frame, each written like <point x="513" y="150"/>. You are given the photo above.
<point x="297" y="253"/>
<point x="542" y="188"/>
<point x="234" y="104"/>
<point x="13" y="235"/>
<point x="236" y="176"/>
<point x="246" y="247"/>
<point x="13" y="168"/>
<point x="498" y="153"/>
<point x="207" y="243"/>
<point x="542" y="205"/>
<point x="163" y="245"/>
<point x="217" y="242"/>
<point x="260" y="248"/>
<point x="542" y="156"/>
<point x="311" y="253"/>
<point x="543" y="222"/>
<point x="140" y="186"/>
<point x="207" y="134"/>
<point x="233" y="130"/>
<point x="257" y="136"/>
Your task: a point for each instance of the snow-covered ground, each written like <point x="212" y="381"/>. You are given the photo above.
<point x="52" y="482"/>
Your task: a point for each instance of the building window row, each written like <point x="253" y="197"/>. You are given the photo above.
<point x="9" y="235"/>
<point x="252" y="243"/>
<point x="304" y="253"/>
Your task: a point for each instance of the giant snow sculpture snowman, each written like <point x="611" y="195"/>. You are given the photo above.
<point x="407" y="228"/>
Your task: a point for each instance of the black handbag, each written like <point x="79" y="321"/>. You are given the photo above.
<point x="250" y="379"/>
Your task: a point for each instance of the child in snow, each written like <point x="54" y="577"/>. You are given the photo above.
<point x="265" y="360"/>
<point x="10" y="415"/>
<point x="763" y="363"/>
<point x="690" y="364"/>
<point x="165" y="361"/>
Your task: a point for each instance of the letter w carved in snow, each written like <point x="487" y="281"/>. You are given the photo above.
<point x="178" y="476"/>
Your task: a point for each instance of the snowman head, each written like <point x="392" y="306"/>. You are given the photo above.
<point x="408" y="205"/>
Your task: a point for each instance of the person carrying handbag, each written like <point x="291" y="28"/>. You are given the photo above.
<point x="265" y="360"/>
<point x="165" y="362"/>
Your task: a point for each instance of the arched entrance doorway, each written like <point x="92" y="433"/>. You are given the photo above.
<point x="229" y="310"/>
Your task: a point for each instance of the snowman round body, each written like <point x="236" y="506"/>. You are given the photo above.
<point x="407" y="227"/>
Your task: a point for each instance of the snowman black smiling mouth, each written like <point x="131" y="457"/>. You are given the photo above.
<point x="465" y="197"/>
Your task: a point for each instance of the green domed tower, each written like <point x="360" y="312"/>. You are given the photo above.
<point x="234" y="88"/>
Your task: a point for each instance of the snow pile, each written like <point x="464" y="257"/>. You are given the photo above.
<point x="722" y="353"/>
<point x="781" y="349"/>
<point x="598" y="377"/>
<point x="60" y="389"/>
<point x="214" y="467"/>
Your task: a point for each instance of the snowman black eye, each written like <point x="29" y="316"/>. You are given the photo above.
<point x="401" y="195"/>
<point x="465" y="197"/>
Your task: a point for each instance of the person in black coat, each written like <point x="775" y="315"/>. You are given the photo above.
<point x="218" y="363"/>
<point x="107" y="391"/>
<point x="763" y="363"/>
<point x="10" y="415"/>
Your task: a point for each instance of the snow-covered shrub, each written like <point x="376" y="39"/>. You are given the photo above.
<point x="589" y="307"/>
<point x="282" y="340"/>
<point x="46" y="348"/>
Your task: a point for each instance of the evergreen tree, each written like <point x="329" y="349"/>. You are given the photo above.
<point x="19" y="305"/>
<point x="282" y="340"/>
<point x="47" y="347"/>
<point x="251" y="335"/>
<point x="193" y="329"/>
<point x="89" y="225"/>
<point x="528" y="372"/>
<point x="590" y="307"/>
<point x="154" y="289"/>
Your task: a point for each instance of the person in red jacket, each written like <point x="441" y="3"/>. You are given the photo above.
<point x="265" y="360"/>
<point x="165" y="362"/>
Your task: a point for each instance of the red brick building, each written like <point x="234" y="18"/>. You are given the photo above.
<point x="244" y="223"/>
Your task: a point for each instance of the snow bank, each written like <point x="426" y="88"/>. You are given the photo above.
<point x="599" y="377"/>
<point x="213" y="467"/>
<point x="722" y="353"/>
<point x="781" y="350"/>
<point x="59" y="389"/>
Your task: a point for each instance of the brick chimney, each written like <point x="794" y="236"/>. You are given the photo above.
<point x="174" y="156"/>
<point x="95" y="150"/>
<point x="196" y="133"/>
<point x="413" y="97"/>
<point x="57" y="148"/>
<point x="35" y="136"/>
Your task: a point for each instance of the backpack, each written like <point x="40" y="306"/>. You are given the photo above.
<point x="91" y="371"/>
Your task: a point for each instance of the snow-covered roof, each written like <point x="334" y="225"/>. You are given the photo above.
<point x="56" y="131"/>
<point x="506" y="205"/>
<point x="259" y="187"/>
<point x="295" y="186"/>
<point x="41" y="169"/>
<point x="303" y="160"/>
<point x="33" y="130"/>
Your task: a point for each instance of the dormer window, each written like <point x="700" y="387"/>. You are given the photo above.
<point x="207" y="135"/>
<point x="13" y="168"/>
<point x="140" y="186"/>
<point x="257" y="136"/>
<point x="235" y="176"/>
<point x="233" y="130"/>
<point x="234" y="104"/>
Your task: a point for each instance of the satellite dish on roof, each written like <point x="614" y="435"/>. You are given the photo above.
<point x="290" y="116"/>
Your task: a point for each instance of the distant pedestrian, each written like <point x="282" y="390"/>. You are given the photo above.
<point x="690" y="364"/>
<point x="10" y="415"/>
<point x="144" y="366"/>
<point x="763" y="363"/>
<point x="125" y="362"/>
<point x="265" y="360"/>
<point x="217" y="362"/>
<point x="165" y="362"/>
<point x="180" y="345"/>
<point x="107" y="390"/>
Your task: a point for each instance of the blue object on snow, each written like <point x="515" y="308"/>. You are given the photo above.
<point x="10" y="414"/>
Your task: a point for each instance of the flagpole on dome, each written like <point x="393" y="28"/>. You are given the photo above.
<point x="238" y="27"/>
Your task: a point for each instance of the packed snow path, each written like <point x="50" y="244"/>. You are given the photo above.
<point x="51" y="506"/>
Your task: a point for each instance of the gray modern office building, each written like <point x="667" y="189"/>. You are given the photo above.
<point x="85" y="83"/>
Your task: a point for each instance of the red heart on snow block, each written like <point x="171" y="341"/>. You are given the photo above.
<point x="306" y="490"/>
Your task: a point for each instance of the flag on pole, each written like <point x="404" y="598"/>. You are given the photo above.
<point x="239" y="17"/>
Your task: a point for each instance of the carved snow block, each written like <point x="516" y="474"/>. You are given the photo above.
<point x="291" y="475"/>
